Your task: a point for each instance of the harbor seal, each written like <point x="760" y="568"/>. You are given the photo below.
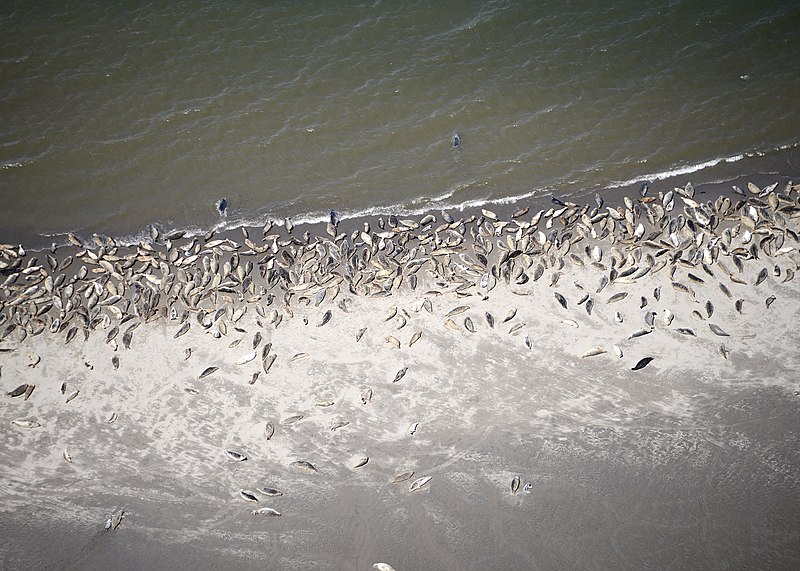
<point x="222" y="207"/>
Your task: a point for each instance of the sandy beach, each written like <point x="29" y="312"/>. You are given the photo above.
<point x="487" y="393"/>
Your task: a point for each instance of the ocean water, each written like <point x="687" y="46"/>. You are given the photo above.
<point x="118" y="115"/>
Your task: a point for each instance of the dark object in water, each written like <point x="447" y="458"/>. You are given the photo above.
<point x="334" y="218"/>
<point x="456" y="140"/>
<point x="222" y="207"/>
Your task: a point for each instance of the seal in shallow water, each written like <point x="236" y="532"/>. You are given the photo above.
<point x="222" y="207"/>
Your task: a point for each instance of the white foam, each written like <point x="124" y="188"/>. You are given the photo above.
<point x="688" y="169"/>
<point x="678" y="171"/>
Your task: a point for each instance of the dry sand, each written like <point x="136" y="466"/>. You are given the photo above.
<point x="692" y="462"/>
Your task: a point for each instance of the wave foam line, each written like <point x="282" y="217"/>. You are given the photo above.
<point x="688" y="169"/>
<point x="678" y="171"/>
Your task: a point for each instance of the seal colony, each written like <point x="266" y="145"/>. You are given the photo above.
<point x="334" y="352"/>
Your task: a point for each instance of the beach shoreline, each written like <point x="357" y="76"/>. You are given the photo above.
<point x="510" y="357"/>
<point x="781" y="166"/>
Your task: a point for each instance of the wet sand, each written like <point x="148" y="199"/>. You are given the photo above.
<point x="688" y="462"/>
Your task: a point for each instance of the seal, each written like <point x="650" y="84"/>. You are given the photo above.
<point x="222" y="207"/>
<point x="270" y="512"/>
